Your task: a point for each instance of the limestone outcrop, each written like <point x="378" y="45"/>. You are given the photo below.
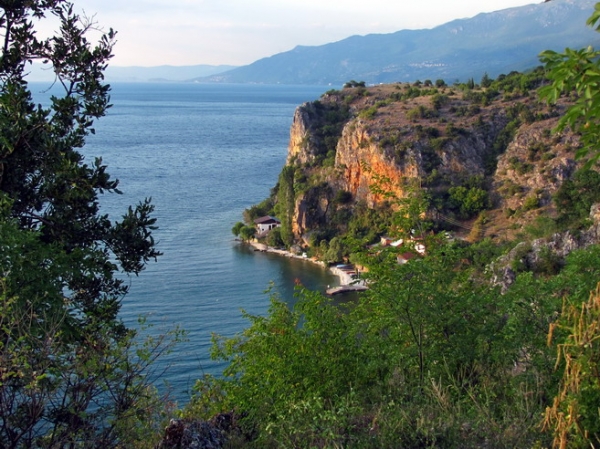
<point x="368" y="146"/>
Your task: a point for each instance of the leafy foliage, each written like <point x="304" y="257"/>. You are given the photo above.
<point x="575" y="197"/>
<point x="428" y="357"/>
<point x="468" y="201"/>
<point x="575" y="413"/>
<point x="577" y="73"/>
<point x="286" y="200"/>
<point x="329" y="119"/>
<point x="433" y="354"/>
<point x="71" y="374"/>
<point x="66" y="376"/>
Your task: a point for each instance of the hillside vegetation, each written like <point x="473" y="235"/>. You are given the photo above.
<point x="485" y="340"/>
<point x="481" y="161"/>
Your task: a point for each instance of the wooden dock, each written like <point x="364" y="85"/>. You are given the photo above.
<point x="345" y="289"/>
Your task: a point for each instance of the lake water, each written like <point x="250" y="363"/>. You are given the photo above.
<point x="203" y="153"/>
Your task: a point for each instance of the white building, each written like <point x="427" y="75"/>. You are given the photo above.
<point x="266" y="223"/>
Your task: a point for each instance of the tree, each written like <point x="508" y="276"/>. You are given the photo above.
<point x="281" y="369"/>
<point x="575" y="196"/>
<point x="286" y="200"/>
<point x="237" y="228"/>
<point x="335" y="250"/>
<point x="577" y="73"/>
<point x="468" y="201"/>
<point x="53" y="190"/>
<point x="353" y="83"/>
<point x="68" y="373"/>
<point x="274" y="238"/>
<point x="411" y="216"/>
<point x="247" y="232"/>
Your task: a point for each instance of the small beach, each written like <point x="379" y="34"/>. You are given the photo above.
<point x="344" y="276"/>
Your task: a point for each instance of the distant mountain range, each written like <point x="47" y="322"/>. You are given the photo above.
<point x="497" y="42"/>
<point x="492" y="43"/>
<point x="163" y="73"/>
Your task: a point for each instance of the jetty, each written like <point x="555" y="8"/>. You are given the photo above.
<point x="345" y="289"/>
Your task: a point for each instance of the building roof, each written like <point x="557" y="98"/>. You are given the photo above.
<point x="266" y="219"/>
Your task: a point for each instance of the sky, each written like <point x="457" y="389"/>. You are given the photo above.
<point x="239" y="32"/>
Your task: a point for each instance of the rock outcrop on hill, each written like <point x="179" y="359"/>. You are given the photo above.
<point x="369" y="145"/>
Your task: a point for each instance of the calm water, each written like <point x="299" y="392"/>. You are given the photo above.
<point x="203" y="153"/>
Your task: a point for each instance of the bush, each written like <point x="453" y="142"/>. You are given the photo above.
<point x="342" y="197"/>
<point x="575" y="196"/>
<point x="468" y="201"/>
<point x="247" y="233"/>
<point x="531" y="202"/>
<point x="261" y="209"/>
<point x="274" y="238"/>
<point x="573" y="417"/>
<point x="368" y="113"/>
<point x="236" y="229"/>
<point x="439" y="100"/>
<point x="353" y="83"/>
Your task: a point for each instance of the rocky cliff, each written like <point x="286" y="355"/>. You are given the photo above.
<point x="365" y="146"/>
<point x="358" y="154"/>
<point x="535" y="164"/>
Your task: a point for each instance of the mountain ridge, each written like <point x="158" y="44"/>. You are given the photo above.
<point x="163" y="73"/>
<point x="496" y="42"/>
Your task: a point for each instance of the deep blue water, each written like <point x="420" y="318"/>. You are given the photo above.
<point x="203" y="153"/>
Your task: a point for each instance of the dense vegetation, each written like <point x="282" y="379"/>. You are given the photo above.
<point x="71" y="374"/>
<point x="431" y="356"/>
<point x="443" y="351"/>
<point x="445" y="118"/>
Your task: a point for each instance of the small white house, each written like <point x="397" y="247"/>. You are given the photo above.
<point x="266" y="223"/>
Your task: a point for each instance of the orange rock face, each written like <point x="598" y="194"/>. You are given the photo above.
<point x="368" y="174"/>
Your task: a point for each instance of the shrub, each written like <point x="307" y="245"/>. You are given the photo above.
<point x="353" y="83"/>
<point x="575" y="197"/>
<point x="235" y="230"/>
<point x="247" y="233"/>
<point x="573" y="416"/>
<point x="531" y="202"/>
<point x="468" y="201"/>
<point x="368" y="113"/>
<point x="439" y="100"/>
<point x="274" y="238"/>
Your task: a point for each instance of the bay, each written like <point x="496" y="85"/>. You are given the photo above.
<point x="203" y="153"/>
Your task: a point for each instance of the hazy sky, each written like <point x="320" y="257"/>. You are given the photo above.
<point x="238" y="32"/>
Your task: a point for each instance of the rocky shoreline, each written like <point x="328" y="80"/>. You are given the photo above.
<point x="344" y="277"/>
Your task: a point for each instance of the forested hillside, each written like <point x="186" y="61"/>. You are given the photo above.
<point x="478" y="160"/>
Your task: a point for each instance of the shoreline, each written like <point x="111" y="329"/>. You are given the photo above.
<point x="344" y="277"/>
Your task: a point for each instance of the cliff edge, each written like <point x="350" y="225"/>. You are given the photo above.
<point x="483" y="160"/>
